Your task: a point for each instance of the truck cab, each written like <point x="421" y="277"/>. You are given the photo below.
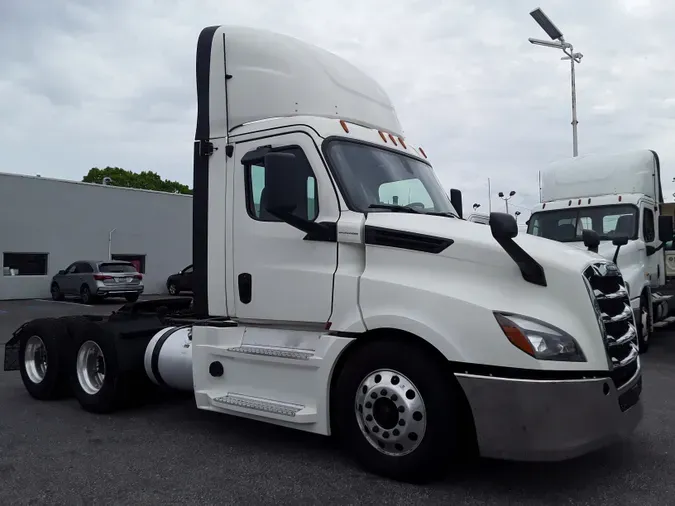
<point x="337" y="291"/>
<point x="619" y="198"/>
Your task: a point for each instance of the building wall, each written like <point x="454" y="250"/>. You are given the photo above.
<point x="71" y="221"/>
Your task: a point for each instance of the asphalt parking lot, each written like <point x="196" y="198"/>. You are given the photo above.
<point x="171" y="453"/>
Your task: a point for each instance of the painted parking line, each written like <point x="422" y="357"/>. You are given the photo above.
<point x="63" y="302"/>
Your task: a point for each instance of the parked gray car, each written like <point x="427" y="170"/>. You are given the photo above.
<point x="90" y="280"/>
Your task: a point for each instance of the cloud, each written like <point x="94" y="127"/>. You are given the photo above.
<point x="87" y="84"/>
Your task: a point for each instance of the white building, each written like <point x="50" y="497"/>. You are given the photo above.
<point x="46" y="224"/>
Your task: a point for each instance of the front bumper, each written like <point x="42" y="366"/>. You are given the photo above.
<point x="550" y="420"/>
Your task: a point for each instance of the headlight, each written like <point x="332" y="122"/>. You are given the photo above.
<point x="538" y="339"/>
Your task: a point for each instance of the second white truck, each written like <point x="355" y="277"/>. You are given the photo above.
<point x="324" y="304"/>
<point x="619" y="198"/>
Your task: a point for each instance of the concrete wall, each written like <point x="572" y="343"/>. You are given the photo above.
<point x="71" y="221"/>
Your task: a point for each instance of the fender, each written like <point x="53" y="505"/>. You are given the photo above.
<point x="436" y="338"/>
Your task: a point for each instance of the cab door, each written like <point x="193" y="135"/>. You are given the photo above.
<point x="655" y="268"/>
<point x="279" y="277"/>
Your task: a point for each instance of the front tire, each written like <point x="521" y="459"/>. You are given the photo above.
<point x="644" y="324"/>
<point x="56" y="292"/>
<point x="398" y="411"/>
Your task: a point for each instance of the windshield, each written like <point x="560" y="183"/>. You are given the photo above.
<point x="371" y="177"/>
<point x="566" y="225"/>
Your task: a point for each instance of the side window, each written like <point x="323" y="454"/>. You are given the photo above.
<point x="84" y="268"/>
<point x="188" y="270"/>
<point x="648" y="227"/>
<point x="71" y="269"/>
<point x="255" y="189"/>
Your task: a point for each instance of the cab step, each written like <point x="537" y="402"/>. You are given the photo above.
<point x="280" y="410"/>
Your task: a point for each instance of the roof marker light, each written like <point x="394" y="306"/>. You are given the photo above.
<point x="382" y="135"/>
<point x="569" y="203"/>
<point x="619" y="198"/>
<point x="393" y="140"/>
<point x="402" y="143"/>
<point x="423" y="153"/>
<point x="344" y="126"/>
<point x="579" y="203"/>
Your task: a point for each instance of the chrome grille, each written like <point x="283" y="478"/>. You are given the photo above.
<point x="615" y="317"/>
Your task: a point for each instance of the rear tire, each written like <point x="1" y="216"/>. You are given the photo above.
<point x="96" y="378"/>
<point x="85" y="295"/>
<point x="415" y="432"/>
<point x="644" y="325"/>
<point x="43" y="353"/>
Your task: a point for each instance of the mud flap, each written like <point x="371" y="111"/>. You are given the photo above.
<point x="12" y="351"/>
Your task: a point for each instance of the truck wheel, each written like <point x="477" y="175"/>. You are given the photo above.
<point x="96" y="379"/>
<point x="42" y="349"/>
<point x="398" y="412"/>
<point x="644" y="325"/>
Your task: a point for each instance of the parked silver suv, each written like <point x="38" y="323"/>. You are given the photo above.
<point x="90" y="280"/>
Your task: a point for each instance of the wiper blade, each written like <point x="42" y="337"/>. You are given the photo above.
<point x="439" y="213"/>
<point x="395" y="208"/>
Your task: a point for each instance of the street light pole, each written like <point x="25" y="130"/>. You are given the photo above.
<point x="506" y="199"/>
<point x="558" y="42"/>
<point x="575" y="138"/>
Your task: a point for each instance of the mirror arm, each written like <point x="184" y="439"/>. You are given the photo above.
<point x="651" y="249"/>
<point x="616" y="253"/>
<point x="315" y="231"/>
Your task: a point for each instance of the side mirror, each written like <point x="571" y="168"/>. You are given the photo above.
<point x="456" y="201"/>
<point x="285" y="187"/>
<point x="665" y="228"/>
<point x="622" y="240"/>
<point x="591" y="240"/>
<point x="61" y="272"/>
<point x="281" y="192"/>
<point x="503" y="226"/>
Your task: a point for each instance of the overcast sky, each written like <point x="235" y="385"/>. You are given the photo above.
<point x="86" y="84"/>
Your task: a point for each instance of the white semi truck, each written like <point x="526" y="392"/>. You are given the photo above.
<point x="618" y="197"/>
<point x="415" y="337"/>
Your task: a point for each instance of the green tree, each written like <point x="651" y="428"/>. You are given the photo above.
<point x="146" y="180"/>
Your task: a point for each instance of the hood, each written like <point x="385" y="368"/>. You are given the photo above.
<point x="475" y="243"/>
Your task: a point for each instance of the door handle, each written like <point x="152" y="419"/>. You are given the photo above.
<point x="245" y="287"/>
